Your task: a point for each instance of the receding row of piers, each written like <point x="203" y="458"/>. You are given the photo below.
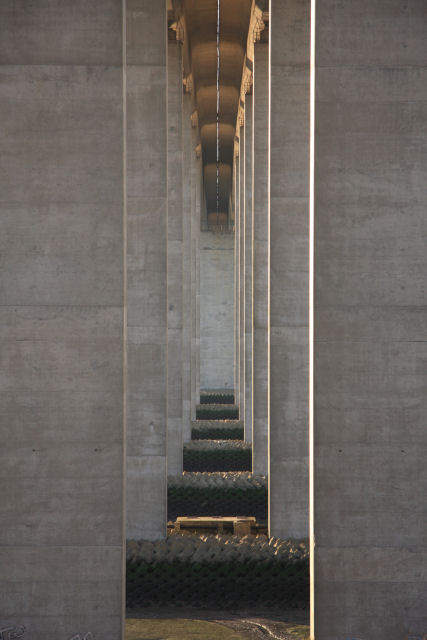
<point x="120" y="302"/>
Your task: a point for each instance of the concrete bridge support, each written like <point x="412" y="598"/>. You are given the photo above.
<point x="174" y="261"/>
<point x="188" y="198"/>
<point x="146" y="79"/>
<point x="248" y="267"/>
<point x="260" y="240"/>
<point x="370" y="353"/>
<point x="242" y="275"/>
<point x="61" y="319"/>
<point x="289" y="266"/>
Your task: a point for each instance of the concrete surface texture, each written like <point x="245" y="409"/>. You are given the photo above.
<point x="146" y="82"/>
<point x="188" y="202"/>
<point x="236" y="205"/>
<point x="370" y="350"/>
<point x="174" y="260"/>
<point x="248" y="268"/>
<point x="216" y="310"/>
<point x="260" y="262"/>
<point x="197" y="187"/>
<point x="289" y="266"/>
<point x="61" y="318"/>
<point x="242" y="274"/>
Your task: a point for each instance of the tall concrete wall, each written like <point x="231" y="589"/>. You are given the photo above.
<point x="289" y="266"/>
<point x="61" y="318"/>
<point x="216" y="310"/>
<point x="260" y="300"/>
<point x="146" y="80"/>
<point x="370" y="350"/>
<point x="174" y="260"/>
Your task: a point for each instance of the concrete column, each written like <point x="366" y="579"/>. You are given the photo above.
<point x="186" y="263"/>
<point x="289" y="264"/>
<point x="202" y="215"/>
<point x="216" y="310"/>
<point x="248" y="267"/>
<point x="61" y="319"/>
<point x="174" y="260"/>
<point x="260" y="262"/>
<point x="242" y="269"/>
<point x="236" y="196"/>
<point x="370" y="350"/>
<point x="195" y="232"/>
<point x="146" y="260"/>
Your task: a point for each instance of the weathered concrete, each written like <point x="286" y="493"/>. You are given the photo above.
<point x="216" y="310"/>
<point x="248" y="267"/>
<point x="174" y="260"/>
<point x="242" y="275"/>
<point x="61" y="318"/>
<point x="289" y="266"/>
<point x="196" y="172"/>
<point x="370" y="321"/>
<point x="146" y="81"/>
<point x="188" y="201"/>
<point x="260" y="262"/>
<point x="236" y="209"/>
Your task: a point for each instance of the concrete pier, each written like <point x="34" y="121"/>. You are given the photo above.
<point x="289" y="266"/>
<point x="370" y="353"/>
<point x="248" y="268"/>
<point x="174" y="260"/>
<point x="260" y="262"/>
<point x="216" y="310"/>
<point x="146" y="81"/>
<point x="188" y="201"/>
<point x="242" y="274"/>
<point x="61" y="319"/>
